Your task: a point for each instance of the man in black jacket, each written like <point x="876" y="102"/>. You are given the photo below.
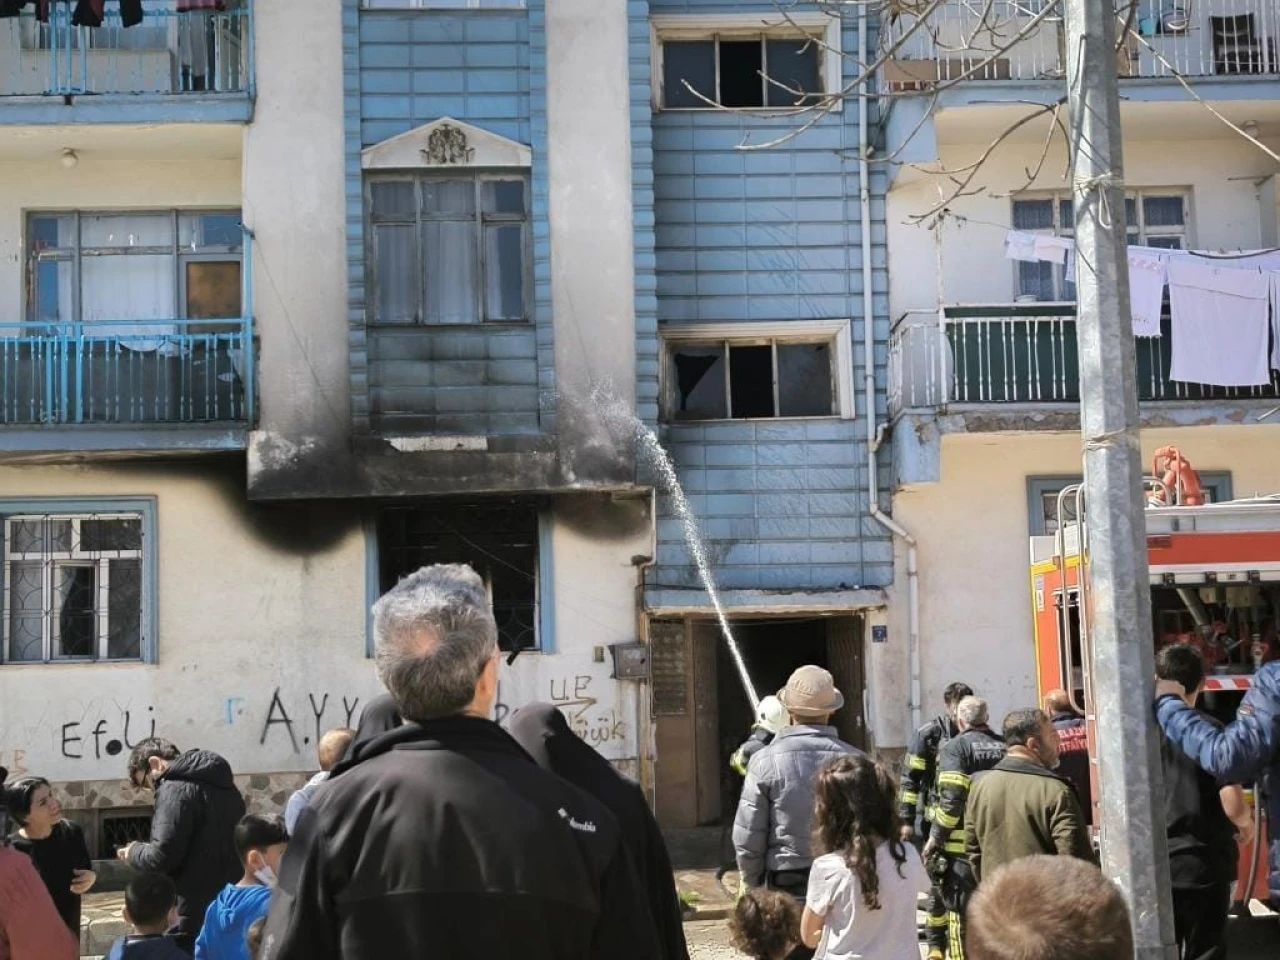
<point x="192" y="828"/>
<point x="443" y="839"/>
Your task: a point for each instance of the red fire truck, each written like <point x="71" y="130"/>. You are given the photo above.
<point x="1215" y="583"/>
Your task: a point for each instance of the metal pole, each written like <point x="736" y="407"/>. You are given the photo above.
<point x="1134" y="850"/>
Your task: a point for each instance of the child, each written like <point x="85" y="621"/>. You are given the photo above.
<point x="260" y="843"/>
<point x="863" y="889"/>
<point x="150" y="908"/>
<point x="766" y="926"/>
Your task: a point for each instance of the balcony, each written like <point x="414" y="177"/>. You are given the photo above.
<point x="177" y="65"/>
<point x="1022" y="355"/>
<point x="1007" y="40"/>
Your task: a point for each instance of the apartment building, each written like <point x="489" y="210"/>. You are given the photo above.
<point x="985" y="386"/>
<point x="302" y="295"/>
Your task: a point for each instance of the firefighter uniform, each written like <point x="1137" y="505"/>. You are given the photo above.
<point x="960" y="760"/>
<point x="916" y="803"/>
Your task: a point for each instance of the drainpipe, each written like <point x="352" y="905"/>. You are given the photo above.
<point x="875" y="433"/>
<point x="646" y="745"/>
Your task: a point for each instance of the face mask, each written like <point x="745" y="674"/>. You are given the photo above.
<point x="266" y="876"/>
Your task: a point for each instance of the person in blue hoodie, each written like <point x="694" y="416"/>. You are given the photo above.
<point x="260" y="844"/>
<point x="150" y="908"/>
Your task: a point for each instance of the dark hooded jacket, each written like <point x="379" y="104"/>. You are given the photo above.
<point x="380" y="715"/>
<point x="197" y="809"/>
<point x="543" y="731"/>
<point x="445" y="840"/>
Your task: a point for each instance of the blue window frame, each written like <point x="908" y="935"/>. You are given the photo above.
<point x="1042" y="498"/>
<point x="78" y="581"/>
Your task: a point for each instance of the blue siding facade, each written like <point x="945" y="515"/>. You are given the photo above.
<point x="768" y="235"/>
<point x="405" y="69"/>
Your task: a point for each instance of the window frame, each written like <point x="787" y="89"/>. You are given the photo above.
<point x="481" y="220"/>
<point x="1140" y="230"/>
<point x="75" y="254"/>
<point x="544" y="604"/>
<point x="837" y="333"/>
<point x="1215" y="482"/>
<point x="141" y="508"/>
<point x="820" y="27"/>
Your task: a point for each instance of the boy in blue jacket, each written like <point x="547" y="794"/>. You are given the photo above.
<point x="260" y="843"/>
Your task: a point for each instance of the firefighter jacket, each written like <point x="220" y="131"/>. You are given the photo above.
<point x="960" y="760"/>
<point x="759" y="739"/>
<point x="919" y="793"/>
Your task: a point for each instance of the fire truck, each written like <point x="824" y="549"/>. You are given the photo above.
<point x="1215" y="583"/>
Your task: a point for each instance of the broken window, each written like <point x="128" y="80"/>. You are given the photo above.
<point x="499" y="540"/>
<point x="751" y="380"/>
<point x="741" y="71"/>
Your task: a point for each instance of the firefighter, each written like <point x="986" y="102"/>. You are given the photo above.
<point x="975" y="750"/>
<point x="919" y="796"/>
<point x="771" y="716"/>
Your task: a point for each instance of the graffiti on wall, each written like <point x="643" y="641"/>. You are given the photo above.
<point x="596" y="724"/>
<point x="76" y="730"/>
<point x="305" y="723"/>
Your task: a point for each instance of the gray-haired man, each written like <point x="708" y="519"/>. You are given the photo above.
<point x="444" y="838"/>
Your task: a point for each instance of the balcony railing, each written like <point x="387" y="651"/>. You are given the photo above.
<point x="1010" y="40"/>
<point x="1016" y="354"/>
<point x="175" y="50"/>
<point x="133" y="372"/>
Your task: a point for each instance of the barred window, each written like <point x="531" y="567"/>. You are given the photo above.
<point x="74" y="587"/>
<point x="499" y="540"/>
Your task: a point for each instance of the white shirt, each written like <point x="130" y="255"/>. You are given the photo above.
<point x="854" y="931"/>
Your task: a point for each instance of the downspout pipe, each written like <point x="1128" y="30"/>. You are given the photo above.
<point x="875" y="432"/>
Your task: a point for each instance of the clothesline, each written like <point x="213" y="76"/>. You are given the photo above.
<point x="1224" y="308"/>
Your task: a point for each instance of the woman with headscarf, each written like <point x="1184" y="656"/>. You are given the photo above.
<point x="380" y="715"/>
<point x="30" y="928"/>
<point x="545" y="734"/>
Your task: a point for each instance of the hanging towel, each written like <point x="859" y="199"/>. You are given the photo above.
<point x="1146" y="293"/>
<point x="1051" y="249"/>
<point x="1020" y="246"/>
<point x="1221" y="321"/>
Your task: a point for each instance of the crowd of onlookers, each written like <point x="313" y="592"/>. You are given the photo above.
<point x="431" y="831"/>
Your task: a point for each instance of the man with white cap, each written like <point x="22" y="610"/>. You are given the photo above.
<point x="773" y="828"/>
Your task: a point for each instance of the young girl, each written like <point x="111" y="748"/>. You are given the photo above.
<point x="862" y="891"/>
<point x="56" y="846"/>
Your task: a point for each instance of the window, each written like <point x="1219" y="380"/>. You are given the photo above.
<point x="757" y="371"/>
<point x="730" y="61"/>
<point x="1156" y="219"/>
<point x="449" y="250"/>
<point x="111" y="267"/>
<point x="1044" y="499"/>
<point x="499" y="540"/>
<point x="76" y="585"/>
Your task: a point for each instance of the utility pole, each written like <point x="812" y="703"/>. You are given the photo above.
<point x="1122" y="665"/>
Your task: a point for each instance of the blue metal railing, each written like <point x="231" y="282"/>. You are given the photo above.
<point x="175" y="50"/>
<point x="127" y="372"/>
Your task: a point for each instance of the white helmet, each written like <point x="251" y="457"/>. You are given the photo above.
<point x="772" y="715"/>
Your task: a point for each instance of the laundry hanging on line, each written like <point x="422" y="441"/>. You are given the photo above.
<point x="1221" y="323"/>
<point x="1221" y="320"/>
<point x="85" y="13"/>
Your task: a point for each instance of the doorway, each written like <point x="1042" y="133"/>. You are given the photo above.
<point x="702" y="713"/>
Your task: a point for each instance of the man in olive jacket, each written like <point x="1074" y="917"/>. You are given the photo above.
<point x="1021" y="807"/>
